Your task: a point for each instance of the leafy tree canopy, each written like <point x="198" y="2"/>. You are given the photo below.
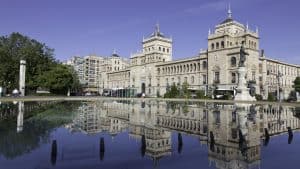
<point x="297" y="84"/>
<point x="39" y="59"/>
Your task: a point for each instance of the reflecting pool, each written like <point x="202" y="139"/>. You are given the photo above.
<point x="129" y="134"/>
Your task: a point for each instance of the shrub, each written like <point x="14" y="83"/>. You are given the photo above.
<point x="258" y="97"/>
<point x="271" y="97"/>
<point x="200" y="94"/>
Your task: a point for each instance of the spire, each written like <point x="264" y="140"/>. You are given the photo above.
<point x="157" y="28"/>
<point x="229" y="12"/>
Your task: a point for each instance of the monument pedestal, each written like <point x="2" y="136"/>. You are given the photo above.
<point x="242" y="90"/>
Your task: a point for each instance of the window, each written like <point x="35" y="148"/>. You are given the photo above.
<point x="222" y="44"/>
<point x="179" y="80"/>
<point x="192" y="79"/>
<point x="233" y="77"/>
<point x="253" y="75"/>
<point x="260" y="68"/>
<point x="159" y="48"/>
<point x="204" y="65"/>
<point x="233" y="61"/>
<point x="212" y="46"/>
<point x="217" y="45"/>
<point x="204" y="79"/>
<point x="217" y="77"/>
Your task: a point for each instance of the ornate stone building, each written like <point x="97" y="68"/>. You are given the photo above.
<point x="152" y="70"/>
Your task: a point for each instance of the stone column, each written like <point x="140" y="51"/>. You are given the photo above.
<point x="22" y="77"/>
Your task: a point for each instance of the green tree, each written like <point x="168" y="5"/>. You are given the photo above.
<point x="185" y="90"/>
<point x="173" y="92"/>
<point x="297" y="84"/>
<point x="15" y="47"/>
<point x="200" y="94"/>
<point x="42" y="70"/>
<point x="59" y="79"/>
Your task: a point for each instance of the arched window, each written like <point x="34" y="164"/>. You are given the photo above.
<point x="204" y="65"/>
<point x="198" y="67"/>
<point x="158" y="70"/>
<point x="183" y="68"/>
<point x="192" y="80"/>
<point x="217" y="45"/>
<point x="212" y="46"/>
<point x="191" y="66"/>
<point x="159" y="48"/>
<point x="180" y="69"/>
<point x="195" y="67"/>
<point x="233" y="77"/>
<point x="233" y="61"/>
<point x="222" y="44"/>
<point x="187" y="68"/>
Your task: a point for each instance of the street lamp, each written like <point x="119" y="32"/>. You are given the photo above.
<point x="279" y="74"/>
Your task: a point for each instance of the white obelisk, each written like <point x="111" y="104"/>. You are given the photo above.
<point x="22" y="77"/>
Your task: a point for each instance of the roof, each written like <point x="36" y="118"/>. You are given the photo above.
<point x="115" y="55"/>
<point x="157" y="34"/>
<point x="227" y="20"/>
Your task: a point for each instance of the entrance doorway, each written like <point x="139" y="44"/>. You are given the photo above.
<point x="143" y="88"/>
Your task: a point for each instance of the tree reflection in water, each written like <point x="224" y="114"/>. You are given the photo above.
<point x="39" y="121"/>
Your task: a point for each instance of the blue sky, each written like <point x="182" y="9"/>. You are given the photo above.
<point x="85" y="27"/>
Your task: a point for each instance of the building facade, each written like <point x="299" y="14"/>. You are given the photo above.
<point x="152" y="70"/>
<point x="92" y="70"/>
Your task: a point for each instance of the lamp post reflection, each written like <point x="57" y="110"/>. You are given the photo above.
<point x="53" y="152"/>
<point x="143" y="146"/>
<point x="180" y="143"/>
<point x="102" y="148"/>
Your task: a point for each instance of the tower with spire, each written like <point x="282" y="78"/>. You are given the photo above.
<point x="224" y="43"/>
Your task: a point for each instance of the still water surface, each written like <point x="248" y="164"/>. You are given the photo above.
<point x="153" y="134"/>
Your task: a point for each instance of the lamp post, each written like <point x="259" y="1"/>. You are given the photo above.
<point x="279" y="74"/>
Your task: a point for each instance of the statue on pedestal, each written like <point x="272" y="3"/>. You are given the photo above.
<point x="242" y="56"/>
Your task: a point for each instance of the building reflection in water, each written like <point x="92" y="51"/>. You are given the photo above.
<point x="232" y="132"/>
